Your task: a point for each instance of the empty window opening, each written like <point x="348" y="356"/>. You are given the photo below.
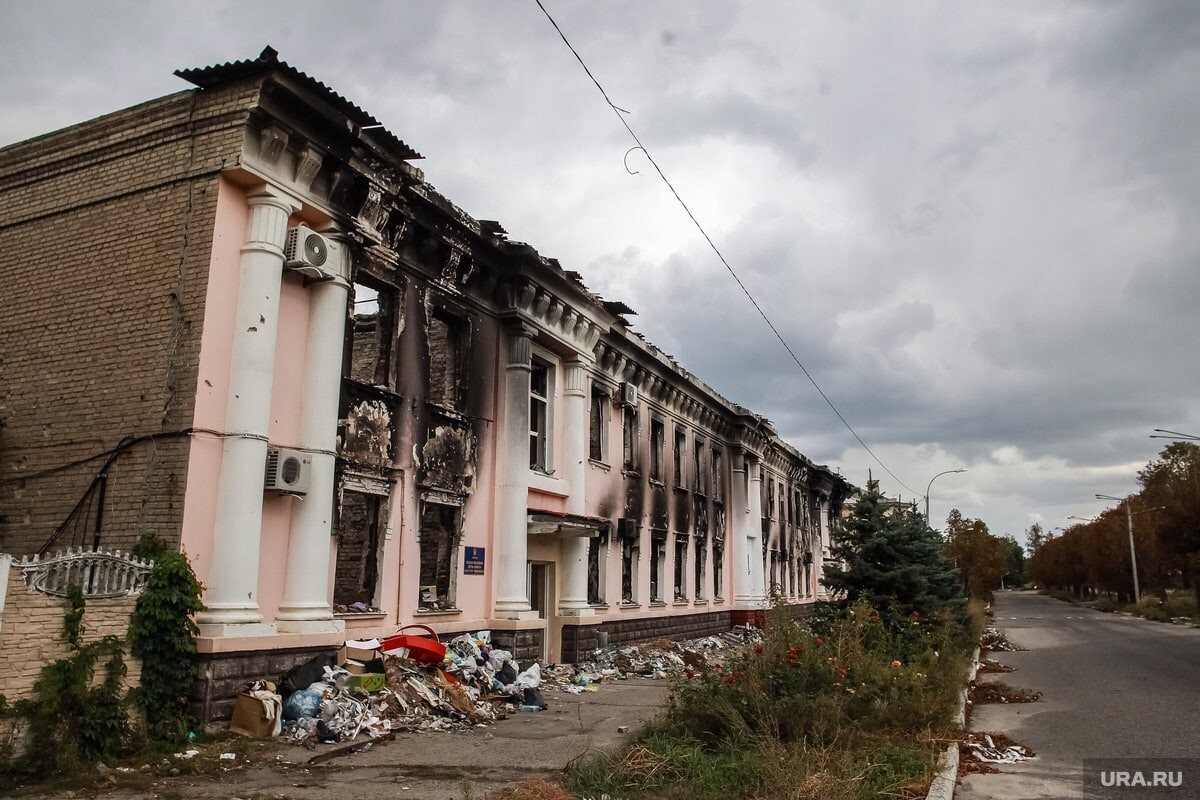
<point x="629" y="438"/>
<point x="447" y="339"/>
<point x="356" y="570"/>
<point x="658" y="559"/>
<point x="718" y="478"/>
<point x="597" y="559"/>
<point x="681" y="570"/>
<point x="657" y="443"/>
<point x="629" y="571"/>
<point x="371" y="345"/>
<point x="698" y="466"/>
<point x="701" y="558"/>
<point x="678" y="453"/>
<point x="438" y="536"/>
<point x="718" y="567"/>
<point x="598" y="426"/>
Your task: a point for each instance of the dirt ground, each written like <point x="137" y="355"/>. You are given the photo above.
<point x="414" y="766"/>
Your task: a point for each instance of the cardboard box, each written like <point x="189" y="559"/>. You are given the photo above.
<point x="361" y="654"/>
<point x="249" y="718"/>
<point x="368" y="682"/>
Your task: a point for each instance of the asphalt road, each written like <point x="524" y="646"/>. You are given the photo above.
<point x="1113" y="687"/>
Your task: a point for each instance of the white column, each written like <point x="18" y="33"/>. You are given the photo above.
<point x="739" y="513"/>
<point x="305" y="606"/>
<point x="574" y="600"/>
<point x="823" y="545"/>
<point x="232" y="596"/>
<point x="512" y="481"/>
<point x="754" y="537"/>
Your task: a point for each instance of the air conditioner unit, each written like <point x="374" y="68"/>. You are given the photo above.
<point x="311" y="254"/>
<point x="628" y="395"/>
<point x="288" y="471"/>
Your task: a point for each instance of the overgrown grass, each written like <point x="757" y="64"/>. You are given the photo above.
<point x="1179" y="604"/>
<point x="857" y="707"/>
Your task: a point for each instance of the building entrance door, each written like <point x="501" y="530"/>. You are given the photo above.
<point x="541" y="600"/>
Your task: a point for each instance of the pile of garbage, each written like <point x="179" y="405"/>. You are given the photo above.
<point x="467" y="682"/>
<point x="990" y="748"/>
<point x="994" y="639"/>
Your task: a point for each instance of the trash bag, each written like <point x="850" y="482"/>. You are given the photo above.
<point x="302" y="704"/>
<point x="506" y="675"/>
<point x="530" y="678"/>
<point x="306" y="674"/>
<point x="533" y="697"/>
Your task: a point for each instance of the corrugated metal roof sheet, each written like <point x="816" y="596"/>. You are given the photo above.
<point x="268" y="61"/>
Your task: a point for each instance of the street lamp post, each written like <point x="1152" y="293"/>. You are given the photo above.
<point x="1083" y="519"/>
<point x="931" y="480"/>
<point x="1132" y="550"/>
<point x="1160" y="433"/>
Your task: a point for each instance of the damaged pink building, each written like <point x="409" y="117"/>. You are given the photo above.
<point x="243" y="321"/>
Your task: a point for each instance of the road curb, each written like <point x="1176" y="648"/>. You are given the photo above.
<point x="943" y="783"/>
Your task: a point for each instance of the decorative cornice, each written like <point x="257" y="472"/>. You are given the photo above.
<point x="550" y="314"/>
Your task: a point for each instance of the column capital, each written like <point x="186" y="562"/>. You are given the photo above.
<point x="266" y="194"/>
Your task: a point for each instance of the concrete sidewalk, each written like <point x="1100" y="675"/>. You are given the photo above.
<point x="431" y="766"/>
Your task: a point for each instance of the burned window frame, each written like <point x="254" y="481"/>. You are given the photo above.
<point x="680" y="566"/>
<point x="459" y="328"/>
<point x="658" y="443"/>
<point x="388" y="305"/>
<point x="679" y="456"/>
<point x="378" y="492"/>
<point x="453" y="505"/>
<point x="699" y="567"/>
<point x="629" y="439"/>
<point x="597" y="567"/>
<point x="598" y="423"/>
<point x="658" y="565"/>
<point x="629" y="533"/>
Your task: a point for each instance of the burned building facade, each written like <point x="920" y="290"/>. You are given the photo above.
<point x="270" y="342"/>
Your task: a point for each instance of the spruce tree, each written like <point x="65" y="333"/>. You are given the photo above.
<point x="890" y="558"/>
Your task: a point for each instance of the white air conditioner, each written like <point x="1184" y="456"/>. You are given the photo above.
<point x="288" y="471"/>
<point x="311" y="254"/>
<point x="628" y="395"/>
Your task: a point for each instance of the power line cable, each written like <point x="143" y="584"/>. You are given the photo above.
<point x="620" y="112"/>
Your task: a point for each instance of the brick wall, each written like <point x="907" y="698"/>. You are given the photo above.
<point x="107" y="227"/>
<point x="220" y="676"/>
<point x="31" y="634"/>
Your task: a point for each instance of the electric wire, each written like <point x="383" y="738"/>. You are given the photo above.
<point x="620" y="113"/>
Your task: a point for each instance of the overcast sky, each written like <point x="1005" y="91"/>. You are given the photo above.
<point x="970" y="221"/>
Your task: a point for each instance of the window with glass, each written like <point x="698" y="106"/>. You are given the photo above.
<point x="539" y="415"/>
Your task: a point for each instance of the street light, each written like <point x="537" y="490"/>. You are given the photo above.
<point x="931" y="480"/>
<point x="1085" y="519"/>
<point x="1187" y="437"/>
<point x="1132" y="551"/>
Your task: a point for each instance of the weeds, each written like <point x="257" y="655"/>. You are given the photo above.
<point x="853" y="707"/>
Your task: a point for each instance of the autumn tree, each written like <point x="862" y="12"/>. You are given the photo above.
<point x="1171" y="497"/>
<point x="890" y="558"/>
<point x="979" y="556"/>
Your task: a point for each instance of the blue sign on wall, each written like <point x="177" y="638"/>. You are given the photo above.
<point x="473" y="559"/>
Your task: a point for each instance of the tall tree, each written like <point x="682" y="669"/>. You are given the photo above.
<point x="890" y="558"/>
<point x="1035" y="537"/>
<point x="1171" y="491"/>
<point x="1014" y="562"/>
<point x="979" y="556"/>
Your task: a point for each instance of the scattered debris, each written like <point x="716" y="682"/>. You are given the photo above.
<point x="991" y="666"/>
<point x="997" y="692"/>
<point x="993" y="748"/>
<point x="995" y="639"/>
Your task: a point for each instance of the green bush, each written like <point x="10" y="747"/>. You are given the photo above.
<point x="850" y="710"/>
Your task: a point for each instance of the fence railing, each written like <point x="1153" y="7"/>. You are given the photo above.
<point x="98" y="573"/>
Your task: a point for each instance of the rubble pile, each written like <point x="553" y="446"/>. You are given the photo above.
<point x="994" y="639"/>
<point x="379" y="691"/>
<point x="996" y="748"/>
